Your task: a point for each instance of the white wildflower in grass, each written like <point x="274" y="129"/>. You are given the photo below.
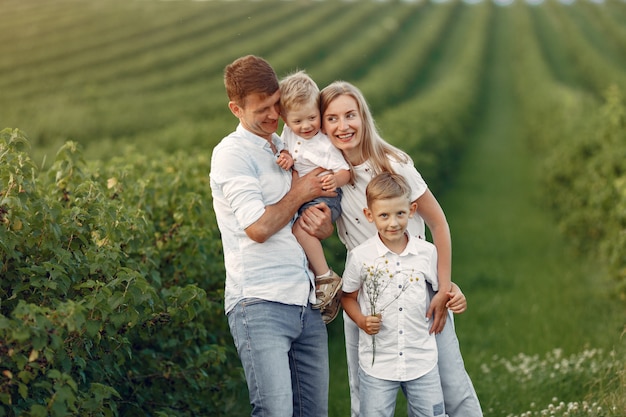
<point x="376" y="278"/>
<point x="592" y="373"/>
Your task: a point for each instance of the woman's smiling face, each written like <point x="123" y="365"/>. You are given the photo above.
<point x="342" y="123"/>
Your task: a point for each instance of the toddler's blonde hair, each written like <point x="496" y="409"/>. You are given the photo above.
<point x="296" y="90"/>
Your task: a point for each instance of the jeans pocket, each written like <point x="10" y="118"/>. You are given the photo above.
<point x="247" y="302"/>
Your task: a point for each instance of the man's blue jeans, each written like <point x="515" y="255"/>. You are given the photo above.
<point x="284" y="352"/>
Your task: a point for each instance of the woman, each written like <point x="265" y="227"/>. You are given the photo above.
<point x="347" y="121"/>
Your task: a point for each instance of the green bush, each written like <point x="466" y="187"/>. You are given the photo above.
<point x="112" y="288"/>
<point x="580" y="145"/>
<point x="585" y="184"/>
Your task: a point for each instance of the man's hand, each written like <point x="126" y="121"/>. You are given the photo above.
<point x="316" y="221"/>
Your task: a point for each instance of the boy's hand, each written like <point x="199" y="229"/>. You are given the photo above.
<point x="284" y="160"/>
<point x="371" y="324"/>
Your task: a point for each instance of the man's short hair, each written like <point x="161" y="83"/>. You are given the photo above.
<point x="247" y="75"/>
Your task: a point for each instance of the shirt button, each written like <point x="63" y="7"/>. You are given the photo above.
<point x="401" y="332"/>
<point x="400" y="353"/>
<point x="400" y="309"/>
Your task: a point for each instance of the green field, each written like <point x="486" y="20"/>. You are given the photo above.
<point x="514" y="115"/>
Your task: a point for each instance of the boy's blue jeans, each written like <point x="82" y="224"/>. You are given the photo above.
<point x="424" y="396"/>
<point x="284" y="352"/>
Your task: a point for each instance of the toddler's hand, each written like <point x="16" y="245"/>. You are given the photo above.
<point x="329" y="182"/>
<point x="284" y="160"/>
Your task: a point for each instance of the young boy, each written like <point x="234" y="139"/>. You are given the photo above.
<point x="309" y="149"/>
<point x="385" y="294"/>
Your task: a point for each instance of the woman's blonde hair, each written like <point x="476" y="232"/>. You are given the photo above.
<point x="373" y="147"/>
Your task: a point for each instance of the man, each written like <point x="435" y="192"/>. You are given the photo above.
<point x="280" y="339"/>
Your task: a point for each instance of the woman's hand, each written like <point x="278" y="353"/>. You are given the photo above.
<point x="457" y="302"/>
<point x="437" y="312"/>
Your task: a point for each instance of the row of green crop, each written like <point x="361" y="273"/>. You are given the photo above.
<point x="151" y="58"/>
<point x="362" y="46"/>
<point x="581" y="143"/>
<point x="434" y="124"/>
<point x="407" y="66"/>
<point x="100" y="38"/>
<point x="597" y="70"/>
<point x="203" y="122"/>
<point x="150" y="72"/>
<point x="112" y="288"/>
<point x="94" y="95"/>
<point x="87" y="47"/>
<point x="610" y="32"/>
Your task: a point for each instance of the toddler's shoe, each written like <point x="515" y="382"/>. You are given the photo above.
<point x="326" y="288"/>
<point x="329" y="313"/>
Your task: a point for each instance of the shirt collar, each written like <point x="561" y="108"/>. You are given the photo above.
<point x="259" y="141"/>
<point x="411" y="247"/>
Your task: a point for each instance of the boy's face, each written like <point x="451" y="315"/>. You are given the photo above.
<point x="391" y="217"/>
<point x="260" y="113"/>
<point x="305" y="121"/>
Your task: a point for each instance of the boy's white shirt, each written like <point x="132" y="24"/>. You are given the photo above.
<point x="309" y="154"/>
<point x="404" y="348"/>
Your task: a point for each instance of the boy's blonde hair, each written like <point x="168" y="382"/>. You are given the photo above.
<point x="385" y="186"/>
<point x="297" y="90"/>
